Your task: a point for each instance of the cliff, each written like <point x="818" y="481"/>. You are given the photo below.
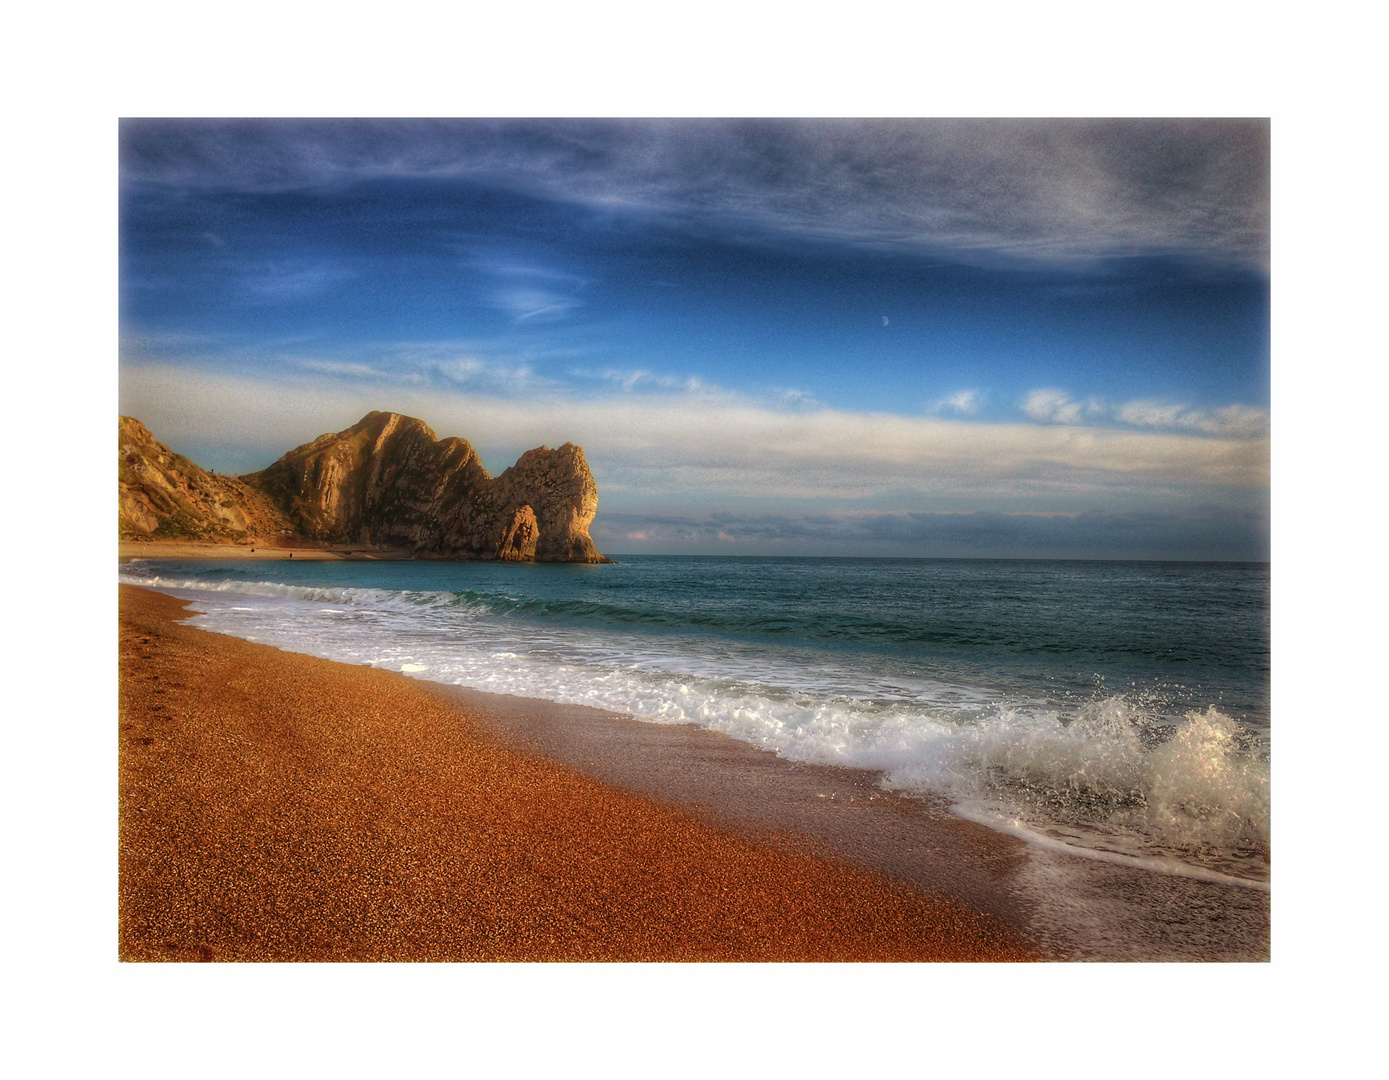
<point x="164" y="496"/>
<point x="385" y="480"/>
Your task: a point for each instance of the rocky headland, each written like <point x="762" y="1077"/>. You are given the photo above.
<point x="386" y="481"/>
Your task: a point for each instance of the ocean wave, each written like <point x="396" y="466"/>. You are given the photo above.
<point x="349" y="596"/>
<point x="1111" y="777"/>
<point x="1111" y="774"/>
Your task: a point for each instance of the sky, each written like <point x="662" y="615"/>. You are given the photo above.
<point x="882" y="338"/>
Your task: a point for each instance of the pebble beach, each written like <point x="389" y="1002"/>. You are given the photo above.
<point x="280" y="807"/>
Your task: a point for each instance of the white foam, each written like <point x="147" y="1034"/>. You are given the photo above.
<point x="1102" y="773"/>
<point x="1015" y="827"/>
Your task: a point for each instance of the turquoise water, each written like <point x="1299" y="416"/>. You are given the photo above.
<point x="1121" y="709"/>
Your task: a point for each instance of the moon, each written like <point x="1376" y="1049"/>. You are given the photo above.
<point x="884" y="320"/>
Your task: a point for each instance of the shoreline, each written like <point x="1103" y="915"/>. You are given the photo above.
<point x="190" y="549"/>
<point x="834" y="810"/>
<point x="276" y="806"/>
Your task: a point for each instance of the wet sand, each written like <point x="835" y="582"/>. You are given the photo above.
<point x="1069" y="907"/>
<point x="842" y="812"/>
<point x="275" y="806"/>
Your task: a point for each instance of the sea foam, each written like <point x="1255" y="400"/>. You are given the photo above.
<point x="1107" y="777"/>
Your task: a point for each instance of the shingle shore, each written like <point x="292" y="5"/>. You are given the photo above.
<point x="275" y="806"/>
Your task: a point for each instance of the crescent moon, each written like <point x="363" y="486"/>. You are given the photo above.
<point x="884" y="320"/>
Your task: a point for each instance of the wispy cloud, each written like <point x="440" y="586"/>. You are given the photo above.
<point x="431" y="364"/>
<point x="343" y="368"/>
<point x="535" y="305"/>
<point x="526" y="291"/>
<point x="632" y="380"/>
<point x="459" y="367"/>
<point x="1035" y="189"/>
<point x="292" y="279"/>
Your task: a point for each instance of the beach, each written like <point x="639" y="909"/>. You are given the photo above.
<point x="275" y="806"/>
<point x="190" y="549"/>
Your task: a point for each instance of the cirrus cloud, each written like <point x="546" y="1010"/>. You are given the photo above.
<point x="1049" y="190"/>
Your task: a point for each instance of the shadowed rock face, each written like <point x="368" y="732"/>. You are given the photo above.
<point x="389" y="480"/>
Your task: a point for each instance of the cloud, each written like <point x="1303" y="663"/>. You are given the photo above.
<point x="537" y="305"/>
<point x="453" y="367"/>
<point x="796" y="400"/>
<point x="965" y="403"/>
<point x="526" y="291"/>
<point x="716" y="448"/>
<point x="632" y="379"/>
<point x="343" y="368"/>
<point x="294" y="279"/>
<point x="1032" y="189"/>
<point x="457" y="367"/>
<point x="1230" y="421"/>
<point x="640" y="380"/>
<point x="1056" y="407"/>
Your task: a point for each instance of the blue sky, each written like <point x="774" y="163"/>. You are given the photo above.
<point x="1002" y="338"/>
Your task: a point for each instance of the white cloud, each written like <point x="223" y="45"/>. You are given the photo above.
<point x="797" y="400"/>
<point x="965" y="403"/>
<point x="1053" y="407"/>
<point x="716" y="446"/>
<point x="1233" y="420"/>
<point x="1230" y="421"/>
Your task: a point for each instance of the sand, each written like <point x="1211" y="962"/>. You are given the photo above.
<point x="298" y="550"/>
<point x="275" y="806"/>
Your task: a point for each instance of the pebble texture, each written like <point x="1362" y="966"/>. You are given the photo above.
<point x="279" y="807"/>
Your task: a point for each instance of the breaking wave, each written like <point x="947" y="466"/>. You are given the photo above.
<point x="1114" y="776"/>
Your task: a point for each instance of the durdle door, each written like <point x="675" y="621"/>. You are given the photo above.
<point x="387" y="480"/>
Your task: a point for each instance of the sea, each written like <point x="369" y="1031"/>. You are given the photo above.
<point x="1116" y="711"/>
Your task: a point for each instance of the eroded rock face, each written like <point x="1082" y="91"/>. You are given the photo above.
<point x="518" y="541"/>
<point x="389" y="480"/>
<point x="164" y="496"/>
